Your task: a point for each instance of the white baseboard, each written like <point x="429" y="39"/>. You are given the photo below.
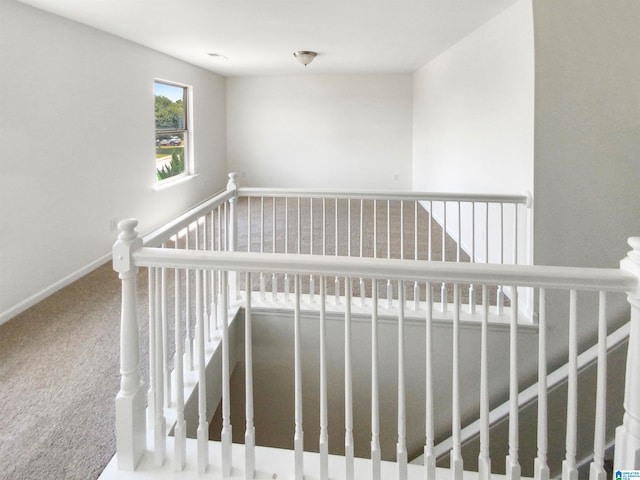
<point x="51" y="289"/>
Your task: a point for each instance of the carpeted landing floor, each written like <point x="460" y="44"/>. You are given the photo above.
<point x="59" y="375"/>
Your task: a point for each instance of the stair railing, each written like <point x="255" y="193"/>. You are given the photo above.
<point x="131" y="425"/>
<point x="452" y="227"/>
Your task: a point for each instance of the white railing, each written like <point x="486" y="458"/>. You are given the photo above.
<point x="476" y="228"/>
<point x="193" y="266"/>
<point x="448" y="227"/>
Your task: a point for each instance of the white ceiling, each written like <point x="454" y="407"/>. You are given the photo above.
<point x="258" y="37"/>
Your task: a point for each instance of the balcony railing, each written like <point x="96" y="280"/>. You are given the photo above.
<point x="203" y="270"/>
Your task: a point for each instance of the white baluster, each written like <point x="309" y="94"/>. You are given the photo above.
<point x="311" y="226"/>
<point x="429" y="454"/>
<point x="375" y="229"/>
<point x="388" y="229"/>
<point x="443" y="288"/>
<point x="375" y="405"/>
<point x="249" y="224"/>
<point x="596" y="471"/>
<point x="500" y="300"/>
<point x="233" y="214"/>
<point x="225" y="237"/>
<point x="324" y="431"/>
<point x="348" y="227"/>
<point x="443" y="298"/>
<point x="273" y="225"/>
<point x="221" y="248"/>
<point x="203" y="426"/>
<point x="500" y="296"/>
<point x="213" y="306"/>
<point x="205" y="286"/>
<point x="569" y="468"/>
<point x="416" y="289"/>
<point x="429" y="236"/>
<point x="299" y="228"/>
<point x="472" y="300"/>
<point x="444" y="231"/>
<point x="455" y="455"/>
<point x="324" y="226"/>
<point x="501" y="233"/>
<point x="274" y="282"/>
<point x="362" y="294"/>
<point x="336" y="281"/>
<point x="348" y="382"/>
<point x="130" y="402"/>
<point x="401" y="445"/>
<point x="312" y="286"/>
<point x="335" y="215"/>
<point x="165" y="336"/>
<point x="541" y="468"/>
<point x="515" y="234"/>
<point x="287" y="280"/>
<point x="459" y="233"/>
<point x="512" y="466"/>
<point x="401" y="230"/>
<point x="226" y="434"/>
<point x="262" y="279"/>
<point x="189" y="346"/>
<point x="298" y="437"/>
<point x="484" y="461"/>
<point x="361" y="226"/>
<point x="249" y="435"/>
<point x="286" y="225"/>
<point x="473" y="232"/>
<point x="151" y="394"/>
<point x="180" y="427"/>
<point x="160" y="421"/>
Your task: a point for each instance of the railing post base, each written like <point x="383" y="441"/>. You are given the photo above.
<point x="627" y="452"/>
<point x="131" y="428"/>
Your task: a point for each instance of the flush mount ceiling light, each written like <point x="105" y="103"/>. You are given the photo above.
<point x="305" y="57"/>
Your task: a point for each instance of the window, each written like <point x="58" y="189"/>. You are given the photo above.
<point x="172" y="130"/>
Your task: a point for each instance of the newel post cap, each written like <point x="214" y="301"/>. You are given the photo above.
<point x="127" y="242"/>
<point x="634" y="253"/>
<point x="233" y="181"/>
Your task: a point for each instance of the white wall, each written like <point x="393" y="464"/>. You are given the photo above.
<point x="76" y="118"/>
<point x="587" y="131"/>
<point x="587" y="160"/>
<point x="320" y="131"/>
<point x="473" y="111"/>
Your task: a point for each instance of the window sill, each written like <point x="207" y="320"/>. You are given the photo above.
<point x="174" y="181"/>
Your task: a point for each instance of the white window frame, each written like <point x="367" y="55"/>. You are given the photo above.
<point x="187" y="133"/>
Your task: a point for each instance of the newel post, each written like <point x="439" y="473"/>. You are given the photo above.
<point x="627" y="447"/>
<point x="130" y="401"/>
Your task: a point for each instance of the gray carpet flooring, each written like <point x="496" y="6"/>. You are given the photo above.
<point x="59" y="374"/>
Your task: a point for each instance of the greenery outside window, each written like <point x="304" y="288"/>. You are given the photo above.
<point x="172" y="129"/>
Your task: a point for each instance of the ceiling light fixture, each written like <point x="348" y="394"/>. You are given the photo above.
<point x="305" y="57"/>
